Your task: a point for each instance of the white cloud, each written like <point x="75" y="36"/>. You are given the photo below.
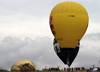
<point x="31" y="18"/>
<point x="40" y="51"/>
<point x="93" y="27"/>
<point x="89" y="51"/>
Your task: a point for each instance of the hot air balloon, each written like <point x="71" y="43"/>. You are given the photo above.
<point x="67" y="57"/>
<point x="23" y="65"/>
<point x="68" y="23"/>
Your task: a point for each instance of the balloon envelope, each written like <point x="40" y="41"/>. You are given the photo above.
<point x="68" y="56"/>
<point x="68" y="22"/>
<point x="23" y="65"/>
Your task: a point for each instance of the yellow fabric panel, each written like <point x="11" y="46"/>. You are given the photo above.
<point x="70" y="21"/>
<point x="69" y="7"/>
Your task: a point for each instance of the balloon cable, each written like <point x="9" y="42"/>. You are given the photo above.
<point x="67" y="60"/>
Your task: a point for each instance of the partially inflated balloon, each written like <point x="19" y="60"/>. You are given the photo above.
<point x="23" y="65"/>
<point x="68" y="22"/>
<point x="68" y="56"/>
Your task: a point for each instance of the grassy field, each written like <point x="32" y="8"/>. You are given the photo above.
<point x="47" y="71"/>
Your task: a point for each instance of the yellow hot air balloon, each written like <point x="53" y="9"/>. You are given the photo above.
<point x="68" y="22"/>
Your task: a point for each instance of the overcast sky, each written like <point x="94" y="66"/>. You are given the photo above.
<point x="25" y="34"/>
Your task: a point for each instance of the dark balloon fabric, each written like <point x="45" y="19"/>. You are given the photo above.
<point x="66" y="56"/>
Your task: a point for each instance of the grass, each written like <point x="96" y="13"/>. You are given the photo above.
<point x="47" y="71"/>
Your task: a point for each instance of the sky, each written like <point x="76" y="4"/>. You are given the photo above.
<point x="25" y="34"/>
